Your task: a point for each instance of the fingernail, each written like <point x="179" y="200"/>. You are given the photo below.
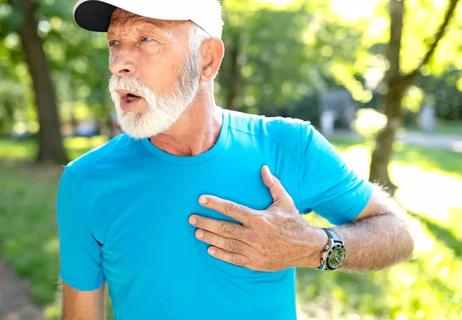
<point x="268" y="173"/>
<point x="199" y="234"/>
<point x="212" y="250"/>
<point x="202" y="199"/>
<point x="192" y="220"/>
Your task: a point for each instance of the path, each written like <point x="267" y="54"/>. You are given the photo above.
<point x="433" y="140"/>
<point x="15" y="303"/>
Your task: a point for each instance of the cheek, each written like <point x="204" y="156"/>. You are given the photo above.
<point x="160" y="72"/>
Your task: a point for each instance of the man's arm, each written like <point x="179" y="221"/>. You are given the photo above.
<point x="379" y="236"/>
<point x="78" y="305"/>
<point x="278" y="237"/>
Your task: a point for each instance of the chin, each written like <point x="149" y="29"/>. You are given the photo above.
<point x="141" y="131"/>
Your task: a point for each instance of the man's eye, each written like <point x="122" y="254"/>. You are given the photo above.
<point x="112" y="43"/>
<point x="144" y="39"/>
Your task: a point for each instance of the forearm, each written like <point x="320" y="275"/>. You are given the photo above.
<point x="78" y="304"/>
<point x="375" y="242"/>
<point x="377" y="239"/>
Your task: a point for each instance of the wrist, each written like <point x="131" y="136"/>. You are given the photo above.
<point x="312" y="249"/>
<point x="334" y="253"/>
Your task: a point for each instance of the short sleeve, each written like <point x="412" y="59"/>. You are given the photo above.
<point x="327" y="185"/>
<point x="79" y="252"/>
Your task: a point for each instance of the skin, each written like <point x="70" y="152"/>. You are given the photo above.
<point x="78" y="305"/>
<point x="265" y="240"/>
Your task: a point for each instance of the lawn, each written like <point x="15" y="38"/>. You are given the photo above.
<point x="442" y="127"/>
<point x="427" y="287"/>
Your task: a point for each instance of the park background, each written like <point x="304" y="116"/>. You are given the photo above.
<point x="394" y="58"/>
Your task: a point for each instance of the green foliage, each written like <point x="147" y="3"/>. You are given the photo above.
<point x="279" y="56"/>
<point x="444" y="92"/>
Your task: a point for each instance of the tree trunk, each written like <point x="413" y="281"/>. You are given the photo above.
<point x="231" y="76"/>
<point x="396" y="84"/>
<point x="50" y="145"/>
<point x="391" y="101"/>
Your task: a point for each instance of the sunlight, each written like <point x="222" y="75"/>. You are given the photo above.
<point x="420" y="191"/>
<point x="277" y="2"/>
<point x="354" y="9"/>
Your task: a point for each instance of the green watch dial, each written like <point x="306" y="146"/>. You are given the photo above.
<point x="336" y="256"/>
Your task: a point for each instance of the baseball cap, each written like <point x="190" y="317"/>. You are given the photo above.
<point x="95" y="15"/>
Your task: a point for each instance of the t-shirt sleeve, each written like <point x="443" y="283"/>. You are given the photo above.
<point x="79" y="252"/>
<point x="327" y="185"/>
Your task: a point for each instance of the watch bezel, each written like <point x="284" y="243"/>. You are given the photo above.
<point x="336" y="246"/>
<point x="334" y="243"/>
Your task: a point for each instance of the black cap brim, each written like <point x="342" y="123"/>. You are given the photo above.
<point x="94" y="15"/>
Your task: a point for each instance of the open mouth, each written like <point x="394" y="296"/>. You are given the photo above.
<point x="128" y="97"/>
<point x="131" y="97"/>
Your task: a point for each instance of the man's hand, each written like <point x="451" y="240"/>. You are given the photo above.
<point x="266" y="240"/>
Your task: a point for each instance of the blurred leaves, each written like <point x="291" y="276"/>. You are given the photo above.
<point x="279" y="56"/>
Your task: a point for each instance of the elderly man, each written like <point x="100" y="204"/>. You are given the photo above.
<point x="194" y="211"/>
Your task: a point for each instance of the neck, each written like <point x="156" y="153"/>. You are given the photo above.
<point x="195" y="132"/>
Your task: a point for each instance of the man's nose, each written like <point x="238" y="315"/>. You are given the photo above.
<point x="121" y="62"/>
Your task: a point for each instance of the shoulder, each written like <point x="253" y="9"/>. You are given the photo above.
<point x="283" y="130"/>
<point x="105" y="152"/>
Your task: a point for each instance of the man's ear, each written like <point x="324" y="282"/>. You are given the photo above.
<point x="212" y="52"/>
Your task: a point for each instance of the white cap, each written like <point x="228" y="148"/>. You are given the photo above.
<point x="95" y="15"/>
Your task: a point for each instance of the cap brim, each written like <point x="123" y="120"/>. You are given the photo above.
<point x="93" y="15"/>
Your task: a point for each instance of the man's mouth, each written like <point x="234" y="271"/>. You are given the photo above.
<point x="127" y="97"/>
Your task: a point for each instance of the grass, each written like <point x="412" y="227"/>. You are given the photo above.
<point x="27" y="231"/>
<point x="427" y="287"/>
<point x="442" y="127"/>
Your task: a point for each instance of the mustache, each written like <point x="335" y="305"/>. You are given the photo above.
<point x="128" y="83"/>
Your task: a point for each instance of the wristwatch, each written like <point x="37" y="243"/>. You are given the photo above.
<point x="334" y="252"/>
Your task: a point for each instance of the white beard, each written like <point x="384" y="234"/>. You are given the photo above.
<point x="162" y="111"/>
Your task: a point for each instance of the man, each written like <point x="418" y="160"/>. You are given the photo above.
<point x="194" y="212"/>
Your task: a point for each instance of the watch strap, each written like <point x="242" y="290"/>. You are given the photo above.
<point x="332" y="234"/>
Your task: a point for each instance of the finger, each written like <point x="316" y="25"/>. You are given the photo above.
<point x="229" y="208"/>
<point x="228" y="244"/>
<point x="277" y="190"/>
<point x="231" y="257"/>
<point x="221" y="227"/>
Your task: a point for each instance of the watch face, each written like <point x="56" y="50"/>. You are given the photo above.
<point x="336" y="256"/>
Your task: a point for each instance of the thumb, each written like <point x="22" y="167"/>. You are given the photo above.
<point x="275" y="187"/>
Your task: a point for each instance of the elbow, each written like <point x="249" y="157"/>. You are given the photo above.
<point x="410" y="246"/>
<point x="407" y="244"/>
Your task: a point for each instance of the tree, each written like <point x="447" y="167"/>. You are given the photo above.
<point x="50" y="145"/>
<point x="396" y="83"/>
<point x="279" y="56"/>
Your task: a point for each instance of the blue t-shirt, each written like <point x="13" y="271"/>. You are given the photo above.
<point x="123" y="213"/>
